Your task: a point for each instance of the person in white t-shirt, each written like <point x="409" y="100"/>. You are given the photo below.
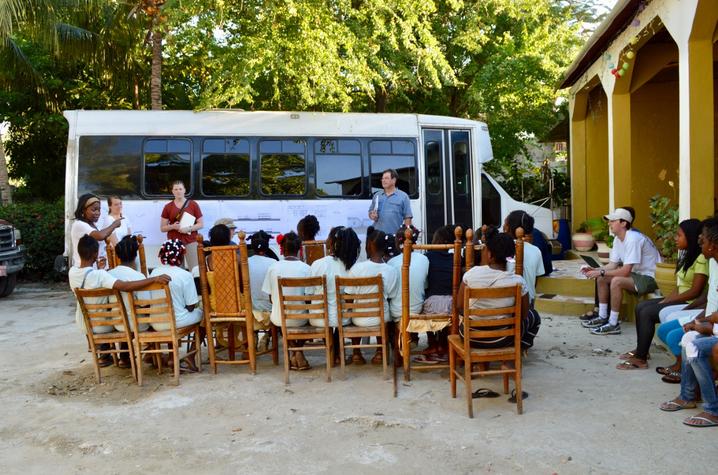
<point x="87" y="214"/>
<point x="344" y="248"/>
<point x="85" y="276"/>
<point x="376" y="246"/>
<point x="632" y="267"/>
<point x="500" y="248"/>
<point x="290" y="266"/>
<point x="259" y="263"/>
<point x="532" y="268"/>
<point x="418" y="273"/>
<point x="114" y="213"/>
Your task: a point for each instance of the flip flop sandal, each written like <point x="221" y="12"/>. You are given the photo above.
<point x="104" y="362"/>
<point x="512" y="399"/>
<point x="700" y="421"/>
<point x="663" y="370"/>
<point x="484" y="392"/>
<point x="304" y="366"/>
<point x="631" y="364"/>
<point x="631" y="354"/>
<point x="673" y="406"/>
<point x="674" y="377"/>
<point x="424" y="359"/>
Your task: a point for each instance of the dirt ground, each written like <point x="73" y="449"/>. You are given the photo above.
<point x="582" y="415"/>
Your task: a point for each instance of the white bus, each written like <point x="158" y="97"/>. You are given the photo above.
<point x="266" y="170"/>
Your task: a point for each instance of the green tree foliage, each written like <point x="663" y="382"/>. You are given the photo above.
<point x="492" y="60"/>
<point x="42" y="225"/>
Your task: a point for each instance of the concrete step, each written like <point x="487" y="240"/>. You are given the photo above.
<point x="568" y="286"/>
<point x="563" y="305"/>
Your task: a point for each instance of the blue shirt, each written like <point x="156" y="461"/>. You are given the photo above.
<point x="392" y="210"/>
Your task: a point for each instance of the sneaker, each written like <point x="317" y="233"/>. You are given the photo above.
<point x="595" y="323"/>
<point x="607" y="329"/>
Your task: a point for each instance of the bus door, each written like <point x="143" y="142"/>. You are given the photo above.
<point x="447" y="190"/>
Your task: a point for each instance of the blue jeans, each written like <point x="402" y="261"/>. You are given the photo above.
<point x="698" y="371"/>
<point x="671" y="333"/>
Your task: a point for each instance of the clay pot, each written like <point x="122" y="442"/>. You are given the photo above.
<point x="583" y="242"/>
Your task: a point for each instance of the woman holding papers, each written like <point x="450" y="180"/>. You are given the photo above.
<point x="181" y="218"/>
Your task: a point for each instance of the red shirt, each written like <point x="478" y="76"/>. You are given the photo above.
<point x="172" y="213"/>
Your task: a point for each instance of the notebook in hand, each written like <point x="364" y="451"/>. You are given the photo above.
<point x="590" y="261"/>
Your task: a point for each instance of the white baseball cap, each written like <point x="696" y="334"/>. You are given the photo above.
<point x="619" y="213"/>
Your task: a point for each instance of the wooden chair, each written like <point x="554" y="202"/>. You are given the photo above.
<point x="508" y="319"/>
<point x="404" y="348"/>
<point x="158" y="310"/>
<point x="313" y="250"/>
<point x="104" y="307"/>
<point x="114" y="261"/>
<point x="470" y="250"/>
<point x="356" y="305"/>
<point x="302" y="307"/>
<point x="229" y="306"/>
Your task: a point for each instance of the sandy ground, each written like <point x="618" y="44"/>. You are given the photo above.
<point x="582" y="415"/>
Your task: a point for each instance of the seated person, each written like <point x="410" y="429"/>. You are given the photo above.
<point x="500" y="248"/>
<point x="126" y="250"/>
<point x="290" y="266"/>
<point x="696" y="372"/>
<point x="185" y="301"/>
<point x="539" y="240"/>
<point x="632" y="267"/>
<point x="258" y="264"/>
<point x="532" y="268"/>
<point x="85" y="276"/>
<point x="307" y="229"/>
<point x="439" y="293"/>
<point x="418" y="271"/>
<point x="376" y="245"/>
<point x="691" y="276"/>
<point x="345" y="247"/>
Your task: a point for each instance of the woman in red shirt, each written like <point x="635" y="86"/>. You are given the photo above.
<point x="172" y="222"/>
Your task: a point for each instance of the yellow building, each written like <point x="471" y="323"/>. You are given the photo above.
<point x="642" y="110"/>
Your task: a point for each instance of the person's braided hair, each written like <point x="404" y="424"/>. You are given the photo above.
<point x="291" y="243"/>
<point x="308" y="227"/>
<point x="172" y="252"/>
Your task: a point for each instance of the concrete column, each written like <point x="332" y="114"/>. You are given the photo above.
<point x="619" y="152"/>
<point x="697" y="167"/>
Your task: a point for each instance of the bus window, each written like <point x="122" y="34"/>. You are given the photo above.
<point x="225" y="167"/>
<point x="110" y="166"/>
<point x="282" y="167"/>
<point x="490" y="203"/>
<point x="399" y="155"/>
<point x="166" y="161"/>
<point x="433" y="168"/>
<point x="461" y="167"/>
<point x="338" y="167"/>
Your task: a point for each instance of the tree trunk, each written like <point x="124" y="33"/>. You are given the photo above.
<point x="156" y="79"/>
<point x="380" y="97"/>
<point x="136" y="85"/>
<point x="5" y="190"/>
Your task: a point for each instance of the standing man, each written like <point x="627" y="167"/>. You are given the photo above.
<point x="390" y="208"/>
<point x="632" y="267"/>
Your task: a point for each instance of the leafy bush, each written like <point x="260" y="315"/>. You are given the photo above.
<point x="42" y="225"/>
<point x="598" y="227"/>
<point x="664" y="221"/>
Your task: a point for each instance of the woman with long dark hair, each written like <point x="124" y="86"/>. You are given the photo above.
<point x="691" y="278"/>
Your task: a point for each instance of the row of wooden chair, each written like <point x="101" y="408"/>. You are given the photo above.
<point x="231" y="309"/>
<point x="105" y="307"/>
